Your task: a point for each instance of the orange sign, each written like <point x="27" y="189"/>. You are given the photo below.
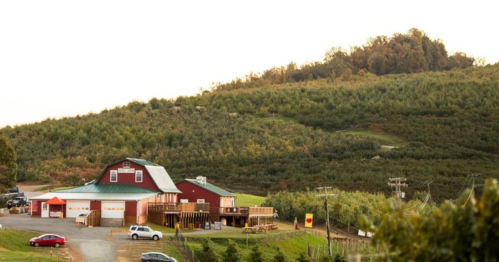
<point x="309" y="219"/>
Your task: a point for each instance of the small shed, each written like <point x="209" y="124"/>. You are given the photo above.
<point x="56" y="207"/>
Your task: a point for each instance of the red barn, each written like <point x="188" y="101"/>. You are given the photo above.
<point x="119" y="195"/>
<point x="222" y="204"/>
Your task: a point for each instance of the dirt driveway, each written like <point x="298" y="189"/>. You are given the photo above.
<point x="84" y="244"/>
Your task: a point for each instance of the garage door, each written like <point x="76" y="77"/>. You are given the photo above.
<point x="75" y="208"/>
<point x="113" y="209"/>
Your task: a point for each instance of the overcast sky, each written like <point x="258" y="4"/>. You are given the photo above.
<point x="63" y="58"/>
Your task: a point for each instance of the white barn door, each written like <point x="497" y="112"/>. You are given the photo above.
<point x="113" y="209"/>
<point x="75" y="208"/>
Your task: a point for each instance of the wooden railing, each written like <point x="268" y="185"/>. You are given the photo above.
<point x="163" y="206"/>
<point x="243" y="211"/>
<point x="261" y="211"/>
<point x="179" y="207"/>
<point x="194" y="207"/>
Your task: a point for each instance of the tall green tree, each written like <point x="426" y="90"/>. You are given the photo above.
<point x="8" y="166"/>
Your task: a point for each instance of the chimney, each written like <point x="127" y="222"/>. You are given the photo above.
<point x="201" y="180"/>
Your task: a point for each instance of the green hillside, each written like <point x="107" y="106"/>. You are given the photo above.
<point x="437" y="126"/>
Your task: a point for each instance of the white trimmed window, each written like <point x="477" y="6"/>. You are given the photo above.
<point x="126" y="164"/>
<point x="113" y="176"/>
<point x="138" y="176"/>
<point x="200" y="201"/>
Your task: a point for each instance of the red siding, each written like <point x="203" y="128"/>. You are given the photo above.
<point x="95" y="205"/>
<point x="130" y="208"/>
<point x="129" y="178"/>
<point x="37" y="207"/>
<point x="193" y="193"/>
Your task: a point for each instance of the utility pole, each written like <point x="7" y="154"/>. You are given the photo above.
<point x="397" y="182"/>
<point x="473" y="176"/>
<point x="326" y="196"/>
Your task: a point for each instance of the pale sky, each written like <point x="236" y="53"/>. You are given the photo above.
<point x="64" y="58"/>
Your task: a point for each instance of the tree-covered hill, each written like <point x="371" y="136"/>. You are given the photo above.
<point x="413" y="52"/>
<point x="440" y="126"/>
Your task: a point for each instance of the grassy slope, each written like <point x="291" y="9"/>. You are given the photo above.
<point x="14" y="246"/>
<point x="292" y="246"/>
<point x="246" y="200"/>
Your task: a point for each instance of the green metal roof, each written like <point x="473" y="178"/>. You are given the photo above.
<point x="211" y="188"/>
<point x="141" y="162"/>
<point x="106" y="188"/>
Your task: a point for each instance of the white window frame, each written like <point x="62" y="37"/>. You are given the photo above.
<point x="137" y="176"/>
<point x="126" y="164"/>
<point x="200" y="201"/>
<point x="115" y="173"/>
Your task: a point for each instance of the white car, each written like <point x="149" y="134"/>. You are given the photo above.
<point x="136" y="232"/>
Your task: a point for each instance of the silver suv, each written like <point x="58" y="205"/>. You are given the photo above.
<point x="137" y="231"/>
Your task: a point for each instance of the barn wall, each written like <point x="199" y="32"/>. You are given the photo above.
<point x="36" y="206"/>
<point x="95" y="205"/>
<point x="193" y="193"/>
<point x="129" y="178"/>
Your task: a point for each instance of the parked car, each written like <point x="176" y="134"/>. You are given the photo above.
<point x="156" y="256"/>
<point x="14" y="190"/>
<point x="48" y="240"/>
<point x="137" y="231"/>
<point x="17" y="202"/>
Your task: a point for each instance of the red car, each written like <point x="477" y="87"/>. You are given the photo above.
<point x="48" y="240"/>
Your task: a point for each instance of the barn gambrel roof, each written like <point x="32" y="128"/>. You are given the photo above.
<point x="158" y="174"/>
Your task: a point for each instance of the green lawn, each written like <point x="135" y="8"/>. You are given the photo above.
<point x="245" y="200"/>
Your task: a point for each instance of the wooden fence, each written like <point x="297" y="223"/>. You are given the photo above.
<point x="93" y="218"/>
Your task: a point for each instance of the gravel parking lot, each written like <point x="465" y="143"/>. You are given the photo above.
<point x="84" y="244"/>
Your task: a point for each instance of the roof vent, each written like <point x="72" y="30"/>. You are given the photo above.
<point x="201" y="180"/>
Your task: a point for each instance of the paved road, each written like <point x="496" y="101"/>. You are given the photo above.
<point x="89" y="244"/>
<point x="29" y="190"/>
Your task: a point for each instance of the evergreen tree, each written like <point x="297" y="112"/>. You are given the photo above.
<point x="280" y="256"/>
<point x="209" y="253"/>
<point x="233" y="254"/>
<point x="303" y="258"/>
<point x="256" y="254"/>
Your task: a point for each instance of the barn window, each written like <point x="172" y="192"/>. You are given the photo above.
<point x="126" y="164"/>
<point x="114" y="176"/>
<point x="200" y="201"/>
<point x="138" y="176"/>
